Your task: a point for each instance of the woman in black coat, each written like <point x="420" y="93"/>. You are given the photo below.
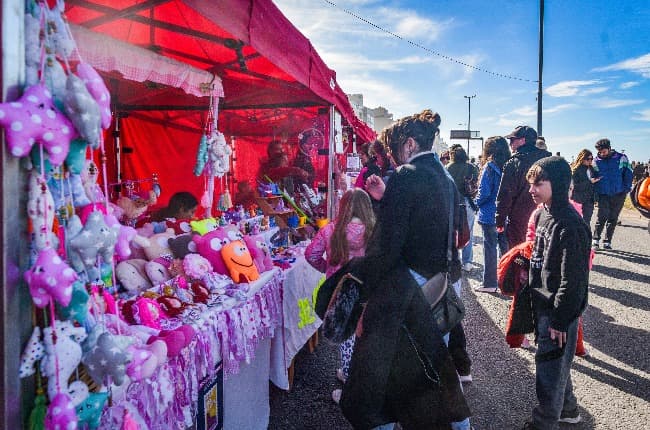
<point x="584" y="178"/>
<point x="387" y="382"/>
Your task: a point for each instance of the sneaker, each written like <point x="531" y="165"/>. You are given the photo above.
<point x="468" y="267"/>
<point x="607" y="245"/>
<point x="594" y="244"/>
<point x="336" y="395"/>
<point x="482" y="289"/>
<point x="465" y="379"/>
<point x="340" y="375"/>
<point x="570" y="417"/>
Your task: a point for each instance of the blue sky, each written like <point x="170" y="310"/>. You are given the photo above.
<point x="596" y="64"/>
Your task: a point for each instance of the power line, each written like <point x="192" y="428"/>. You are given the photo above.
<point x="431" y="51"/>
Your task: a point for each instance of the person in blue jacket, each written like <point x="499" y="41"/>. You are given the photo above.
<point x="496" y="152"/>
<point x="615" y="182"/>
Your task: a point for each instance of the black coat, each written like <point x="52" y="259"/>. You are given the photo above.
<point x="513" y="200"/>
<point x="386" y="381"/>
<point x="583" y="189"/>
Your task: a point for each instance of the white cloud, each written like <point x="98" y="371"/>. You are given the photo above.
<point x="639" y="65"/>
<point x="642" y="115"/>
<point x="607" y="103"/>
<point x="585" y="140"/>
<point x="560" y="108"/>
<point x="524" y="111"/>
<point x="628" y="85"/>
<point x="594" y="90"/>
<point x="344" y="62"/>
<point x="571" y="88"/>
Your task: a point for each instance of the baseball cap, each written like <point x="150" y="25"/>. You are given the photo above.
<point x="523" y="131"/>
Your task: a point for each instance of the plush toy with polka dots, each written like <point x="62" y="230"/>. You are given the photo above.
<point x="34" y="119"/>
<point x="50" y="278"/>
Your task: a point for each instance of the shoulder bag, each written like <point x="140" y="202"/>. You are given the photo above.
<point x="447" y="308"/>
<point x="344" y="309"/>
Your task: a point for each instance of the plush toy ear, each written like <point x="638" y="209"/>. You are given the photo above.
<point x="182" y="245"/>
<point x="33" y="352"/>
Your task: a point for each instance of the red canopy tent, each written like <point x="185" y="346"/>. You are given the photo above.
<point x="274" y="82"/>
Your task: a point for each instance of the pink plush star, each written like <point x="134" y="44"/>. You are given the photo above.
<point x="34" y="119"/>
<point x="50" y="278"/>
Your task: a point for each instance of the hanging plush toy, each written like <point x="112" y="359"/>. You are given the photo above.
<point x="106" y="358"/>
<point x="32" y="49"/>
<point x="82" y="110"/>
<point x="40" y="209"/>
<point x="34" y="119"/>
<point x="50" y="278"/>
<point x="61" y="358"/>
<point x="218" y="154"/>
<point x="95" y="238"/>
<point x="97" y="89"/>
<point x="33" y="352"/>
<point x="61" y="413"/>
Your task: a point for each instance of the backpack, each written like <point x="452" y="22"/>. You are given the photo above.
<point x="470" y="188"/>
<point x="640" y="196"/>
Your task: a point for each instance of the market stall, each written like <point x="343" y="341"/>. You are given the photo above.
<point x="170" y="85"/>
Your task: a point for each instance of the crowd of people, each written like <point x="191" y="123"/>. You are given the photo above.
<point x="390" y="234"/>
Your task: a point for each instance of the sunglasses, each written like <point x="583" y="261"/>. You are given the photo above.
<point x="589" y="158"/>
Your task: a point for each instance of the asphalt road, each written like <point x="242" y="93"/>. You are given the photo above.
<point x="612" y="385"/>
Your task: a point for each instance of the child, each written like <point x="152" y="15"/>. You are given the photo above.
<point x="182" y="205"/>
<point x="559" y="277"/>
<point x="342" y="240"/>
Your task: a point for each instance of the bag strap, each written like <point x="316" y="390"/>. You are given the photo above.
<point x="452" y="213"/>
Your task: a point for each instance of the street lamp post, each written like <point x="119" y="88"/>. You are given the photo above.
<point x="469" y="117"/>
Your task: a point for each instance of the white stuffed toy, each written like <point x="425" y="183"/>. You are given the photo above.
<point x="40" y="209"/>
<point x="132" y="276"/>
<point x="83" y="110"/>
<point x="218" y="154"/>
<point x="66" y="352"/>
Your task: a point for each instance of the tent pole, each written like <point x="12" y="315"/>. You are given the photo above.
<point x="330" y="167"/>
<point x="118" y="148"/>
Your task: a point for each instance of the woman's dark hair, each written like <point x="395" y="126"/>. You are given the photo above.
<point x="178" y="202"/>
<point x="603" y="144"/>
<point x="582" y="155"/>
<point x="498" y="149"/>
<point x="365" y="149"/>
<point x="377" y="151"/>
<point x="422" y="127"/>
<point x="458" y="154"/>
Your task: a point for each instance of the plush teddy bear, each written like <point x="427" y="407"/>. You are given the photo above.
<point x="132" y="276"/>
<point x="40" y="209"/>
<point x="182" y="245"/>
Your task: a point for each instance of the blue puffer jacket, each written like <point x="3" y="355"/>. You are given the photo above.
<point x="486" y="199"/>
<point x="616" y="174"/>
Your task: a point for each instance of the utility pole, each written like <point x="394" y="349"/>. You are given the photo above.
<point x="469" y="117"/>
<point x="541" y="66"/>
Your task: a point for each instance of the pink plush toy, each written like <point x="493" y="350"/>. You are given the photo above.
<point x="50" y="278"/>
<point x="175" y="340"/>
<point x="34" y="119"/>
<point x="145" y="359"/>
<point x="210" y="245"/>
<point x="125" y="234"/>
<point x="147" y="312"/>
<point x="61" y="414"/>
<point x="260" y="252"/>
<point x="195" y="266"/>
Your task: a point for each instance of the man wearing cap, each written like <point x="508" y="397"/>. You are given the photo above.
<point x="615" y="174"/>
<point x="514" y="203"/>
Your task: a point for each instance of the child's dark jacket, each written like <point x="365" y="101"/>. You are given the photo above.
<point x="559" y="267"/>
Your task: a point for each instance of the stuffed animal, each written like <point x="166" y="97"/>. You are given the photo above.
<point x="135" y="207"/>
<point x="239" y="262"/>
<point x="132" y="276"/>
<point x="89" y="412"/>
<point x="180" y="226"/>
<point x="125" y="234"/>
<point x="97" y="89"/>
<point x="94" y="239"/>
<point x="32" y="49"/>
<point x="145" y="359"/>
<point x="158" y="270"/>
<point x="106" y="358"/>
<point x="195" y="266"/>
<point x="34" y="351"/>
<point x="62" y="357"/>
<point x="82" y="110"/>
<point x="182" y="245"/>
<point x="89" y="175"/>
<point x="143" y="311"/>
<point x="34" y="119"/>
<point x="218" y="154"/>
<point x="157" y="245"/>
<point x="61" y="413"/>
<point x="204" y="226"/>
<point x="50" y="278"/>
<point x="40" y="209"/>
<point x="55" y="77"/>
<point x="77" y="309"/>
<point x="58" y="38"/>
<point x="210" y="245"/>
<point x="260" y="252"/>
<point x="200" y="292"/>
<point x="175" y="340"/>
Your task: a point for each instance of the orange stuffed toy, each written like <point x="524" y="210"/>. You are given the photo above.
<point x="239" y="262"/>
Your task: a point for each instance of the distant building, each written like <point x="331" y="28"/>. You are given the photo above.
<point x="377" y="118"/>
<point x="382" y="118"/>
